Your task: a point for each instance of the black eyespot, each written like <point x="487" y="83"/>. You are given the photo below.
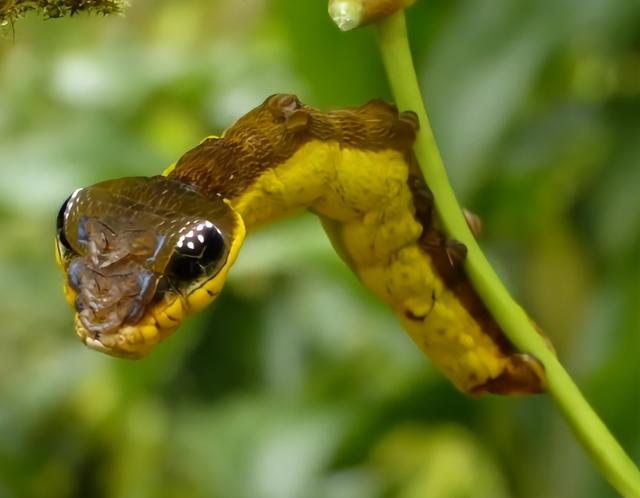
<point x="60" y="225"/>
<point x="197" y="250"/>
<point x="186" y="267"/>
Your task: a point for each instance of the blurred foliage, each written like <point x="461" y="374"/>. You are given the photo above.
<point x="10" y="10"/>
<point x="297" y="383"/>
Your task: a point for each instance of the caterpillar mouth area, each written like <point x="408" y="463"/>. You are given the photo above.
<point x="124" y="310"/>
<point x="131" y="341"/>
<point x="120" y="323"/>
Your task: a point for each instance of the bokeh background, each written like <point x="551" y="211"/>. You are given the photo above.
<point x="297" y="383"/>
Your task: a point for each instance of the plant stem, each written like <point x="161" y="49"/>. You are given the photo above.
<point x="605" y="451"/>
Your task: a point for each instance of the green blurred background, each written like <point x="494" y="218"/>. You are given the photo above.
<point x="297" y="383"/>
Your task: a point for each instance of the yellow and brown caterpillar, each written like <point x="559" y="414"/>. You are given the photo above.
<point x="140" y="254"/>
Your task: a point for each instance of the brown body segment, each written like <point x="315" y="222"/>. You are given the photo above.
<point x="273" y="132"/>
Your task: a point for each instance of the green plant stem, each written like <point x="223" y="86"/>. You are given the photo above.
<point x="606" y="452"/>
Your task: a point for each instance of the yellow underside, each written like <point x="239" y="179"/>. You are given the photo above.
<point x="365" y="199"/>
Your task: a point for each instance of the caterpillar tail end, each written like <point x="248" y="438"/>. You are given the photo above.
<point x="524" y="374"/>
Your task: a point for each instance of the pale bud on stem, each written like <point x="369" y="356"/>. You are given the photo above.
<point x="349" y="14"/>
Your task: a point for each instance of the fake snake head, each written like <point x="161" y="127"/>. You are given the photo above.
<point x="139" y="255"/>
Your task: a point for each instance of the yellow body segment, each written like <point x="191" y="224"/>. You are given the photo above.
<point x="365" y="195"/>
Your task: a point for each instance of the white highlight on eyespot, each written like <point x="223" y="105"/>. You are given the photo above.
<point x="191" y="245"/>
<point x="201" y="238"/>
<point x="208" y="224"/>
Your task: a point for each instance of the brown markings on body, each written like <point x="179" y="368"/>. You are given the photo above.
<point x="448" y="257"/>
<point x="272" y="132"/>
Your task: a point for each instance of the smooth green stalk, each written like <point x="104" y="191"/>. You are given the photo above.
<point x="606" y="452"/>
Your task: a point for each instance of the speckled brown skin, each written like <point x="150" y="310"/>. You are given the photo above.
<point x="273" y="132"/>
<point x="355" y="168"/>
